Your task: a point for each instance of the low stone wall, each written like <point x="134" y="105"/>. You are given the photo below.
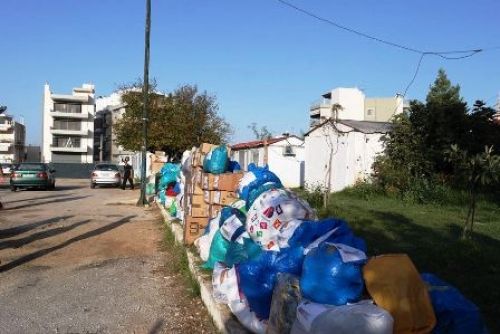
<point x="222" y="317"/>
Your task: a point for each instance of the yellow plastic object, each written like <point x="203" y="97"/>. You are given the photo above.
<point x="395" y="285"/>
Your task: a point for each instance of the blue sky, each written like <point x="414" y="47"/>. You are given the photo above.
<point x="265" y="62"/>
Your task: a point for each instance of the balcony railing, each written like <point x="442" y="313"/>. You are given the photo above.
<point x="321" y="103"/>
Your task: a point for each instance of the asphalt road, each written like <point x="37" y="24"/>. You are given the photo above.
<point x="77" y="260"/>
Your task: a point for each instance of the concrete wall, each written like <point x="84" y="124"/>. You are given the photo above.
<point x="382" y="109"/>
<point x="352" y="101"/>
<point x="352" y="157"/>
<point x="290" y="169"/>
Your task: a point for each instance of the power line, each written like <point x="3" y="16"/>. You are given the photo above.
<point x="443" y="54"/>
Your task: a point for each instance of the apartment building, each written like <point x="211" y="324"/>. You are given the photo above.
<point x="68" y="126"/>
<point x="354" y="106"/>
<point x="12" y="139"/>
<point x="110" y="109"/>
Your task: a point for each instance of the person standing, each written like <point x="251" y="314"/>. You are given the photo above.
<point x="128" y="175"/>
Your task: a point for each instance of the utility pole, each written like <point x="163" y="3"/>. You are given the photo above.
<point x="145" y="91"/>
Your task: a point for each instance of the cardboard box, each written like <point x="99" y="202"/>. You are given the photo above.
<point x="205" y="148"/>
<point x="197" y="200"/>
<point x="156" y="166"/>
<point x="208" y="196"/>
<point x="225" y="197"/>
<point x="210" y="181"/>
<point x="229" y="181"/>
<point x="197" y="176"/>
<point x="193" y="228"/>
<point x="195" y="189"/>
<point x="200" y="212"/>
<point x="197" y="159"/>
<point x="214" y="210"/>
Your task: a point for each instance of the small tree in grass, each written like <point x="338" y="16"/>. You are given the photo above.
<point x="477" y="171"/>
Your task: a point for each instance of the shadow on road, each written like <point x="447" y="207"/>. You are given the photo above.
<point x="43" y="252"/>
<point x="59" y="200"/>
<point x="40" y="235"/>
<point x="157" y="326"/>
<point x="35" y="198"/>
<point x="13" y="231"/>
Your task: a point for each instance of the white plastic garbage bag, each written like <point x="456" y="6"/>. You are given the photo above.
<point x="204" y="242"/>
<point x="270" y="214"/>
<point x="227" y="291"/>
<point x="361" y="318"/>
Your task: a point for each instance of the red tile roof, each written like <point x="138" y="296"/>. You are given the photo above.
<point x="255" y="143"/>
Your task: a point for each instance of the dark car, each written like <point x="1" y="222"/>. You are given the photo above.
<point x="32" y="175"/>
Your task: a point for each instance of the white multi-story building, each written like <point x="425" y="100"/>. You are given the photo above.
<point x="354" y="106"/>
<point x="12" y="139"/>
<point x="68" y="126"/>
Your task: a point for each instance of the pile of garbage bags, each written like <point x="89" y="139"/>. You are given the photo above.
<point x="281" y="270"/>
<point x="170" y="188"/>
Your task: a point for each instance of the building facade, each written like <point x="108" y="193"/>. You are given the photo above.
<point x="12" y="140"/>
<point x="110" y="109"/>
<point x="284" y="155"/>
<point x="68" y="126"/>
<point x="355" y="106"/>
<point x="341" y="153"/>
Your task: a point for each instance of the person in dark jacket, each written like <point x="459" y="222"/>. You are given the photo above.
<point x="128" y="175"/>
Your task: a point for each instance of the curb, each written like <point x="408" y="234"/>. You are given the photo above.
<point x="222" y="317"/>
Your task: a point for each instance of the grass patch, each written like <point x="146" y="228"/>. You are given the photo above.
<point x="430" y="235"/>
<point x="179" y="261"/>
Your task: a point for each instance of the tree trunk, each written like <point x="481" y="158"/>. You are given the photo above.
<point x="471" y="228"/>
<point x="469" y="212"/>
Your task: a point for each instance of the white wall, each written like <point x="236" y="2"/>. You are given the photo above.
<point x="353" y="155"/>
<point x="290" y="169"/>
<point x="352" y="101"/>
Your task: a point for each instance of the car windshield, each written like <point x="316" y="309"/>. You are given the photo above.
<point x="106" y="167"/>
<point x="32" y="167"/>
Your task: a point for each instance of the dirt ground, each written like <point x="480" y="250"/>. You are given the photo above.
<point x="81" y="260"/>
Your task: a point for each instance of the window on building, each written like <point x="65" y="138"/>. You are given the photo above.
<point x="67" y="125"/>
<point x="288" y="151"/>
<point x="255" y="157"/>
<point x="370" y="112"/>
<point x="68" y="108"/>
<point x="66" y="141"/>
<point x="241" y="158"/>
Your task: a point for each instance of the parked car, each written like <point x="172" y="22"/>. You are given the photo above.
<point x="5" y="168"/>
<point x="32" y="175"/>
<point x="105" y="174"/>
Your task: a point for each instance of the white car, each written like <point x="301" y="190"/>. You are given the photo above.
<point x="6" y="168"/>
<point x="105" y="174"/>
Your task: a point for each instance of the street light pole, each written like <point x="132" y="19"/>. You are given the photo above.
<point x="145" y="91"/>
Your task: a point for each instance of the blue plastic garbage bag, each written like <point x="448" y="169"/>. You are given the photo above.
<point x="326" y="279"/>
<point x="256" y="192"/>
<point x="233" y="166"/>
<point x="232" y="223"/>
<point x="218" y="250"/>
<point x="216" y="161"/>
<point x="170" y="172"/>
<point x="256" y="177"/>
<point x="239" y="252"/>
<point x="333" y="230"/>
<point x="258" y="276"/>
<point x="455" y="314"/>
<point x="162" y="197"/>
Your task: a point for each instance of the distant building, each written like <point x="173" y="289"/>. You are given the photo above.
<point x="340" y="153"/>
<point x="284" y="156"/>
<point x="110" y="109"/>
<point x="68" y="126"/>
<point x="12" y="139"/>
<point x="355" y="106"/>
<point x="33" y="153"/>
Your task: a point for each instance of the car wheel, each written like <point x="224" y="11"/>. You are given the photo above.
<point x="13" y="188"/>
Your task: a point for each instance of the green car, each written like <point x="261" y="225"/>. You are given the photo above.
<point x="32" y="175"/>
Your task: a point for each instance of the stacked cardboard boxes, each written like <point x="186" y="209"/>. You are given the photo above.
<point x="206" y="195"/>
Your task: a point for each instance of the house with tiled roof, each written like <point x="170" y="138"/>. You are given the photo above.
<point x="284" y="155"/>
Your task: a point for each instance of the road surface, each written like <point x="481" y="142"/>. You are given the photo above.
<point x="77" y="260"/>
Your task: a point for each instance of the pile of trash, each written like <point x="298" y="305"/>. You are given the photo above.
<point x="171" y="189"/>
<point x="281" y="270"/>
